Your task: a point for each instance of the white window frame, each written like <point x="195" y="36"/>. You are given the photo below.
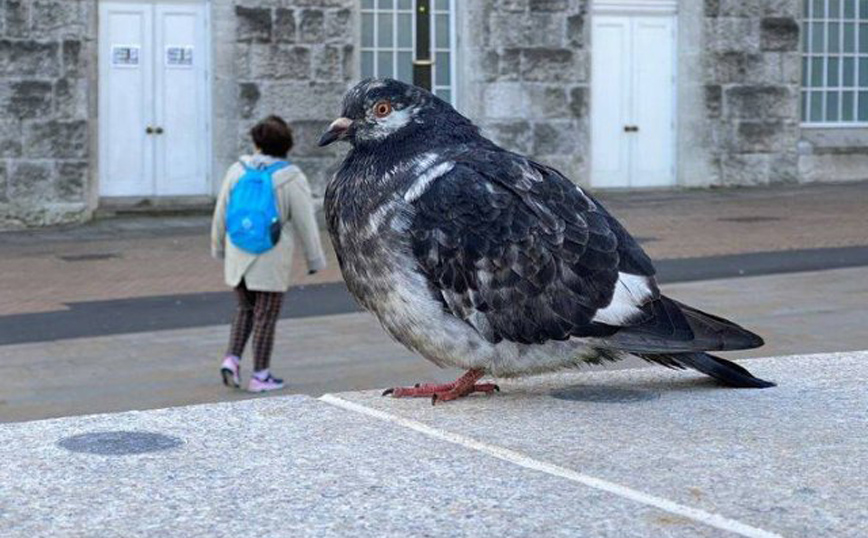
<point x="375" y="50"/>
<point x="807" y="56"/>
<point x="451" y="50"/>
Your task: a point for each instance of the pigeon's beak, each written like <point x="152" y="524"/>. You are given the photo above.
<point x="336" y="131"/>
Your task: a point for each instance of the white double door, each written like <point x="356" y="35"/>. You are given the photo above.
<point x="632" y="100"/>
<point x="153" y="98"/>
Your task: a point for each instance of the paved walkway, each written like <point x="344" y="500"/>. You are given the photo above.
<point x="44" y="271"/>
<point x="796" y="313"/>
<point x="131" y="313"/>
<point x="634" y="453"/>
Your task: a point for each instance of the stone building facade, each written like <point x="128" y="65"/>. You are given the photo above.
<point x="751" y="79"/>
<point x="294" y="58"/>
<point x="46" y="99"/>
<point x="522" y="69"/>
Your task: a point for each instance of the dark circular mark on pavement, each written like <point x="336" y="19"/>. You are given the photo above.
<point x="587" y="393"/>
<point x="119" y="443"/>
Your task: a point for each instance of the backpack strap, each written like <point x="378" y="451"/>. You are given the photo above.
<point x="279" y="165"/>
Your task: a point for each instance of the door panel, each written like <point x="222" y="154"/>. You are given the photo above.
<point x="126" y="76"/>
<point x="610" y="102"/>
<point x="180" y="98"/>
<point x="163" y="88"/>
<point x="632" y="100"/>
<point x="653" y="74"/>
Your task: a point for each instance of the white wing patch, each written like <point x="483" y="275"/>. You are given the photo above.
<point x="377" y="218"/>
<point x="424" y="161"/>
<point x="426" y="179"/>
<point x="631" y="292"/>
<point x="419" y="163"/>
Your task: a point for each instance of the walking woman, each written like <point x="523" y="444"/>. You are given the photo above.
<point x="260" y="272"/>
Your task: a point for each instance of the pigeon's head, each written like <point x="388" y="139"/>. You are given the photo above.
<point x="380" y="110"/>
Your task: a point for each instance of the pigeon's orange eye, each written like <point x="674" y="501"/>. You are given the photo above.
<point x="382" y="109"/>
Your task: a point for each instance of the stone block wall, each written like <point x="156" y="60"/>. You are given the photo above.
<point x="524" y="69"/>
<point x="47" y="59"/>
<point x="296" y="58"/>
<point x="751" y="93"/>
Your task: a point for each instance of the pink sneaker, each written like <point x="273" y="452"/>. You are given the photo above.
<point x="231" y="372"/>
<point x="264" y="385"/>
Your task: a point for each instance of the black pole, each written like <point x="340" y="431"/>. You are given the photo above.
<point x="423" y="62"/>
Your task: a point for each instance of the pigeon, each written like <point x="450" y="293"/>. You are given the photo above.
<point x="480" y="258"/>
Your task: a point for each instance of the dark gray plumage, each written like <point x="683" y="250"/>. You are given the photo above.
<point x="481" y="258"/>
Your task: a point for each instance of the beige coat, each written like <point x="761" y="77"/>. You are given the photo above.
<point x="271" y="270"/>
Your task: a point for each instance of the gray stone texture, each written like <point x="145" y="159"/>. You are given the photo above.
<point x="74" y="174"/>
<point x="298" y="468"/>
<point x="533" y="460"/>
<point x="833" y="154"/>
<point x="779" y="33"/>
<point x="254" y="24"/>
<point x="295" y="58"/>
<point x="31" y="180"/>
<point x="526" y="66"/>
<point x="787" y="459"/>
<point x="59" y="139"/>
<point x="47" y="102"/>
<point x="752" y="89"/>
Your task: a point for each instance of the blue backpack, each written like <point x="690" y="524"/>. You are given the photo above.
<point x="252" y="218"/>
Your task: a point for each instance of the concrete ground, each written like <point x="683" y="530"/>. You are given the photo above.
<point x="632" y="453"/>
<point x="795" y="313"/>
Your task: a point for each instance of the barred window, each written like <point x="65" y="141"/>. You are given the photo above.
<point x="835" y="62"/>
<point x="388" y="48"/>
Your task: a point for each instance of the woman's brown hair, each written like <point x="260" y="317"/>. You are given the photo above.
<point x="272" y="136"/>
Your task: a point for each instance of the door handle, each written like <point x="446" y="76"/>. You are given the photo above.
<point x="631" y="128"/>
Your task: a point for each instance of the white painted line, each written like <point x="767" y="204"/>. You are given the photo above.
<point x="517" y="458"/>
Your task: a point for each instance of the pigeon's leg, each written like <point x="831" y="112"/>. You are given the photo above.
<point x="462" y="386"/>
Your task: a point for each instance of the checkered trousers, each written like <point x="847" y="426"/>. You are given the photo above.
<point x="257" y="314"/>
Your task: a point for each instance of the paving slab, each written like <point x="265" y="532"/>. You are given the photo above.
<point x="292" y="467"/>
<point x="641" y="452"/>
<point x="791" y="459"/>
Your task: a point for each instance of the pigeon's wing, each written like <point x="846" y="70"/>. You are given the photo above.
<point x="522" y="254"/>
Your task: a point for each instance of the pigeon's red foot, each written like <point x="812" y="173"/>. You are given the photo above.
<point x="459" y="388"/>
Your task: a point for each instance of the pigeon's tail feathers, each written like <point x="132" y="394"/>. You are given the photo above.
<point x="727" y="372"/>
<point x="731" y="335"/>
<point x="674" y="327"/>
